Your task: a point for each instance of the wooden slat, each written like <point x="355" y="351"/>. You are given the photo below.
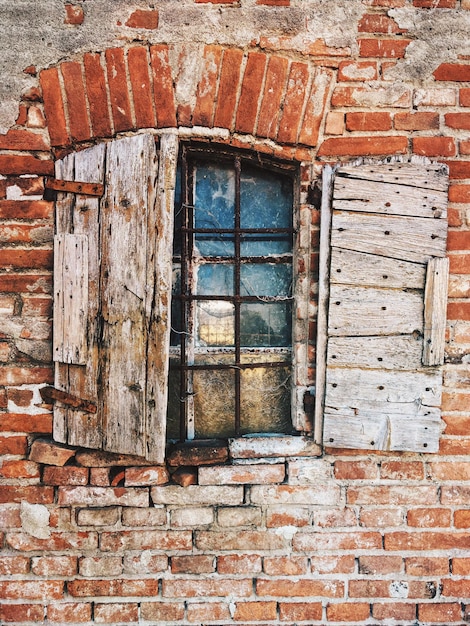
<point x="357" y="311"/>
<point x="390" y="199"/>
<point x="359" y="388"/>
<point x="427" y="176"/>
<point x="435" y="306"/>
<point x="402" y="352"/>
<point x="357" y="268"/>
<point x="71" y="298"/>
<point x="159" y="274"/>
<point x="404" y="238"/>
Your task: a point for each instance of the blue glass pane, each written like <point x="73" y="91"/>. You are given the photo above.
<point x="264" y="245"/>
<point x="265" y="199"/>
<point x="214" y="279"/>
<point x="266" y="279"/>
<point x="266" y="324"/>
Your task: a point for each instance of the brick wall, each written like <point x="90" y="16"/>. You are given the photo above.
<point x="350" y="537"/>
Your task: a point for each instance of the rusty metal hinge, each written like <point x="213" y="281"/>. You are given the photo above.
<point x="51" y="394"/>
<point x="72" y="186"/>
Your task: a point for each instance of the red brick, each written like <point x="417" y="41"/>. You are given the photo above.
<point x="25" y="164"/>
<point x="459" y="193"/>
<point x="250" y="92"/>
<point x="116" y="613"/>
<point x="242" y="474"/>
<point x="76" y="102"/>
<point x="58" y="541"/>
<point x="229" y="79"/>
<point x="337" y="541"/>
<point x="422" y="120"/>
<point x="455" y="471"/>
<point x="287" y="516"/>
<point x="464" y="97"/>
<point x="54" y="565"/>
<point x="434" y="146"/>
<point x="141" y="476"/>
<point x="459" y="263"/>
<point x="216" y="1"/>
<point x="11" y="375"/>
<point x="458" y="310"/>
<point x="435" y="4"/>
<point x="54" y="107"/>
<point x="110" y="588"/>
<point x="367" y="97"/>
<point x="394" y="611"/>
<point x="368" y="121"/>
<point x="383" y="48"/>
<point x="380" y="564"/>
<point x="74" y="14"/>
<point x="207" y="87"/>
<point x="146" y="540"/>
<point x="461" y="566"/>
<point x="355" y="470"/>
<point x="208" y="611"/>
<point x="462" y="519"/>
<point x="197" y="587"/>
<point x="10" y="516"/>
<point x="456" y="588"/>
<point x="239" y="564"/>
<point x="427" y="566"/>
<point x="348" y="612"/>
<point x="255" y="611"/>
<point x="426" y="540"/>
<point x="143" y="517"/>
<point x="457" y="424"/>
<point x="441" y="612"/>
<point x="393" y="494"/>
<point x="26" y="209"/>
<point x="163" y="86"/>
<point x="11" y="565"/>
<point x="118" y="92"/>
<point x="454" y="446"/>
<point x="143" y="18"/>
<point x="193" y="564"/>
<point x="32" y="589"/>
<point x="458" y="170"/>
<point x="16" y="258"/>
<point x="333" y="564"/>
<point x="19" y="469"/>
<point x="65" y="475"/>
<point x="23" y="140"/>
<point x="276" y="77"/>
<point x="26" y="233"/>
<point x="402" y="470"/>
<point x="13" y="445"/>
<point x="377" y="23"/>
<point x="458" y="120"/>
<point x="285" y="565"/>
<point x="138" y="62"/>
<point x="97" y="97"/>
<point x="357" y="70"/>
<point x="363" y="146"/>
<point x="293" y="103"/>
<point x="22" y="613"/>
<point x="285" y="587"/>
<point x="314" y="110"/>
<point x="428" y="517"/>
<point x="300" y="611"/>
<point x="50" y="453"/>
<point x="454" y="72"/>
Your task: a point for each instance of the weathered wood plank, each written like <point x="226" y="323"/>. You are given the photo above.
<point x="359" y="388"/>
<point x="402" y="352"/>
<point x="405" y="238"/>
<point x="435" y="307"/>
<point x="357" y="268"/>
<point x="356" y="311"/>
<point x="71" y="298"/>
<point x="429" y="176"/>
<point x="159" y="274"/>
<point x="382" y="431"/>
<point x="390" y="199"/>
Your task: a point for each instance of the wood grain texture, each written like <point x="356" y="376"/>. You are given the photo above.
<point x="435" y="306"/>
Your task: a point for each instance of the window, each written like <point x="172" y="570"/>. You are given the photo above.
<point x="240" y="313"/>
<point x="231" y="345"/>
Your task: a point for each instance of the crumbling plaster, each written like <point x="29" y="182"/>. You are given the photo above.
<point x="34" y="33"/>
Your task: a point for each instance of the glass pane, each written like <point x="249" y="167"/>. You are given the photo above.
<point x="265" y="324"/>
<point x="216" y="280"/>
<point x="266" y="279"/>
<point x="215" y="323"/>
<point x="265" y="400"/>
<point x="265" y="244"/>
<point x="265" y="199"/>
<point x="176" y="309"/>
<point x="214" y="403"/>
<point x="214" y="207"/>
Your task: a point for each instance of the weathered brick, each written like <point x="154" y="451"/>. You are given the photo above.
<point x="143" y="18"/>
<point x="239" y="564"/>
<point x="74" y="14"/>
<point x="276" y="76"/>
<point x="54" y="565"/>
<point x="100" y="566"/>
<point x="441" y="612"/>
<point x="112" y="613"/>
<point x="14" y="444"/>
<point x="198" y="587"/>
<point x="455" y="72"/>
<point x="462" y="519"/>
<point x="383" y="48"/>
<point x="141" y="476"/>
<point x="239" y="516"/>
<point x="402" y="470"/>
<point x="97" y="97"/>
<point x="113" y="588"/>
<point x="422" y="120"/>
<point x="435" y="97"/>
<point x="57" y="541"/>
<point x="65" y="475"/>
<point x="300" y="611"/>
<point x="287" y="516"/>
<point x="315" y="106"/>
<point x="16" y="165"/>
<point x="22" y="613"/>
<point x="380" y="564"/>
<point x="377" y="23"/>
<point x="97" y="516"/>
<point x="11" y="565"/>
<point x="229" y="79"/>
<point x="370" y="97"/>
<point x="118" y="91"/>
<point x="336" y="541"/>
<point x="426" y="540"/>
<point x="394" y="611"/>
<point x="145" y="563"/>
<point x="242" y="474"/>
<point x="250" y="92"/>
<point x="50" y="453"/>
<point x="458" y="471"/>
<point x="255" y="611"/>
<point x="193" y="564"/>
<point x="357" y="71"/>
<point x="427" y="566"/>
<point x="12" y="375"/>
<point x="321" y="493"/>
<point x="365" y="121"/>
<point x="461" y="566"/>
<point x="285" y="565"/>
<point x="286" y="587"/>
<point x="26" y="493"/>
<point x="23" y="140"/>
<point x="393" y="494"/>
<point x="195" y="494"/>
<point x="32" y="589"/>
<point x="163" y="86"/>
<point x="146" y="540"/>
<point x="356" y="470"/>
<point x="293" y="102"/>
<point x="76" y="102"/>
<point x="458" y="120"/>
<point x="348" y="612"/>
<point x="334" y="124"/>
<point x="143" y="517"/>
<point x="356" y="146"/>
<point x="162" y="611"/>
<point x="138" y="63"/>
<point x="429" y="517"/>
<point x="207" y="87"/>
<point x="87" y="496"/>
<point x="192" y="516"/>
<point x="208" y="611"/>
<point x="54" y="107"/>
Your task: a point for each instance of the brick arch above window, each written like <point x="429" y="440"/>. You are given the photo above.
<point x="252" y="92"/>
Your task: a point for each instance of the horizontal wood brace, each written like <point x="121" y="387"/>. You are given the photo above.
<point x="78" y="187"/>
<point x="51" y="394"/>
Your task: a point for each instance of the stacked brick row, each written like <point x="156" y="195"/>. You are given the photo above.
<point x="350" y="538"/>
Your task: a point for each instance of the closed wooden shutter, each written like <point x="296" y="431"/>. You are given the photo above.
<point x="111" y="296"/>
<point x="384" y="313"/>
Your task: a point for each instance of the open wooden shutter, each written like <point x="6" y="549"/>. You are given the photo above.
<point x="384" y="315"/>
<point x="111" y="297"/>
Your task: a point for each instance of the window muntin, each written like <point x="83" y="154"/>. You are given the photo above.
<point x="231" y="346"/>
